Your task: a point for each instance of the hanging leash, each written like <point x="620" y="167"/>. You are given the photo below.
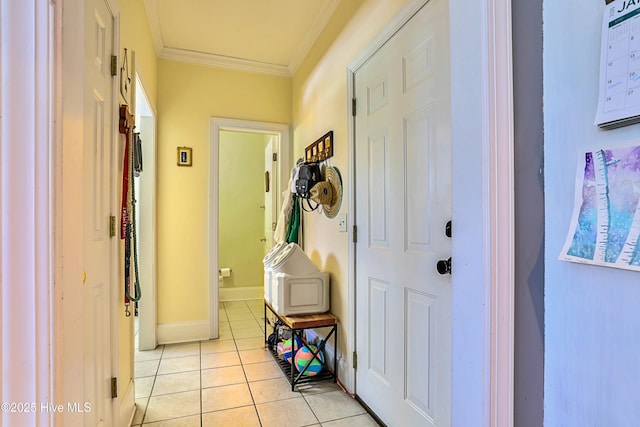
<point x="127" y="222"/>
<point x="134" y="231"/>
<point x="125" y="119"/>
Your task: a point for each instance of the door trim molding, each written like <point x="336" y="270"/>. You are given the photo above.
<point x="501" y="217"/>
<point x="498" y="265"/>
<point x="218" y="124"/>
<point x="29" y="137"/>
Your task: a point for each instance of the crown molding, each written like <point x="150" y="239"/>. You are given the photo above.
<point x="240" y="64"/>
<point x="312" y="35"/>
<point x="220" y="61"/>
<point x="154" y="25"/>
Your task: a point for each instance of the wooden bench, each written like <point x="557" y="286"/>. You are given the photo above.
<point x="298" y="325"/>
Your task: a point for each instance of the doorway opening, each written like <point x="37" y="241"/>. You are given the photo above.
<point x="145" y="194"/>
<point x="245" y="224"/>
<point x="244" y="202"/>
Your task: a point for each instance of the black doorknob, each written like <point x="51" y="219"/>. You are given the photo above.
<point x="444" y="266"/>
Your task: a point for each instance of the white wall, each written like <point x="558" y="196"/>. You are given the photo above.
<point x="592" y="362"/>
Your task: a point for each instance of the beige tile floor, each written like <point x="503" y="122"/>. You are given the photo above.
<point x="233" y="381"/>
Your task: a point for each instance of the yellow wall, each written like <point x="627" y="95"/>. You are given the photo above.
<point x="135" y="36"/>
<point x="319" y="105"/>
<point x="241" y="218"/>
<point x="188" y="96"/>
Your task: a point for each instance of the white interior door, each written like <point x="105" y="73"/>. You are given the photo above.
<point x="403" y="203"/>
<point x="270" y="193"/>
<point x="98" y="246"/>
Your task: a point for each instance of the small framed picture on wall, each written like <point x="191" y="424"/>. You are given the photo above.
<point x="184" y="156"/>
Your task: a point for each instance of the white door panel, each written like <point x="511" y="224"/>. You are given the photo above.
<point x="378" y="329"/>
<point x="377" y="191"/>
<point x="98" y="137"/>
<point x="403" y="202"/>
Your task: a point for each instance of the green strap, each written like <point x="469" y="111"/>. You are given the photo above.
<point x="294" y="222"/>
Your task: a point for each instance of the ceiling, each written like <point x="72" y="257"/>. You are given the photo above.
<point x="265" y="36"/>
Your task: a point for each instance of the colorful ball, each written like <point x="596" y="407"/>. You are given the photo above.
<point x="304" y="357"/>
<point x="286" y="348"/>
<point x="279" y="349"/>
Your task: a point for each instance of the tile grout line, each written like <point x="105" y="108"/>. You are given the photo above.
<point x="255" y="317"/>
<point x="255" y="406"/>
<point x="200" y="380"/>
<point x="155" y="377"/>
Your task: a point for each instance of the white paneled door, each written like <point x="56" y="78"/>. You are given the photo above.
<point x="98" y="246"/>
<point x="403" y="203"/>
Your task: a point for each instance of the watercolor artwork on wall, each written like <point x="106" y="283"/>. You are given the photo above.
<point x="605" y="226"/>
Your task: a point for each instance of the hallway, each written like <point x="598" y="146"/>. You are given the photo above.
<point x="233" y="381"/>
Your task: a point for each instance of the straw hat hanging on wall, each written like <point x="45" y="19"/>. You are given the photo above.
<point x="328" y="193"/>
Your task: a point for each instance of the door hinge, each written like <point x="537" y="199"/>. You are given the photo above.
<point x="112" y="226"/>
<point x="114" y="387"/>
<point x="355" y="234"/>
<point x="354" y="360"/>
<point x="114" y="65"/>
<point x="275" y="157"/>
<point x="353" y="107"/>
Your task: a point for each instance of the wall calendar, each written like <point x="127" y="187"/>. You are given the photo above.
<point x="619" y="95"/>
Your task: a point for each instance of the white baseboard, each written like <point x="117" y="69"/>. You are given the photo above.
<point x="240" y="293"/>
<point x="170" y="333"/>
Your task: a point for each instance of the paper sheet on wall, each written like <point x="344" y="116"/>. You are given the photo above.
<point x="619" y="94"/>
<point x="605" y="225"/>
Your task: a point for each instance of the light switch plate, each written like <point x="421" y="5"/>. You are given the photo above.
<point x="342" y="223"/>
